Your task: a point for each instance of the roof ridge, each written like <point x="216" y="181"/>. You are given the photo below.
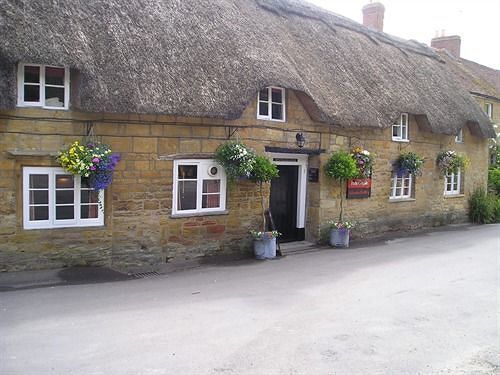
<point x="301" y="8"/>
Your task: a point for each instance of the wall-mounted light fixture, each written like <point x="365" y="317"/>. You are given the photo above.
<point x="301" y="141"/>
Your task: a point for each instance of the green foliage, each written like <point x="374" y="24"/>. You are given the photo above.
<point x="263" y="170"/>
<point x="494" y="180"/>
<point x="236" y="158"/>
<point x="482" y="207"/>
<point x="496" y="210"/>
<point x="409" y="162"/>
<point x="451" y="162"/>
<point x="341" y="166"/>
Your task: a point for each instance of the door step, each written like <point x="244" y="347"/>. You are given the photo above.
<point x="297" y="247"/>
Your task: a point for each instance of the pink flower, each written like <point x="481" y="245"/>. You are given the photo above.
<point x="95" y="160"/>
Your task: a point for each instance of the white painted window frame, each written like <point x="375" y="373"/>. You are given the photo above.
<point x="42" y="84"/>
<point x="202" y="174"/>
<point x="301" y="161"/>
<point x="459" y="138"/>
<point x="451" y="180"/>
<point x="488" y="109"/>
<point x="52" y="223"/>
<point x="406" y="181"/>
<point x="270" y="103"/>
<point x="402" y="127"/>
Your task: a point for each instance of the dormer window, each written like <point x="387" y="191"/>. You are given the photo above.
<point x="271" y="104"/>
<point x="400" y="129"/>
<point x="459" y="138"/>
<point x="43" y="86"/>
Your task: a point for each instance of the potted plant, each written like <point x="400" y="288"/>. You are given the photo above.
<point x="340" y="232"/>
<point x="364" y="161"/>
<point x="264" y="244"/>
<point x="341" y="167"/>
<point x="92" y="160"/>
<point x="264" y="171"/>
<point x="409" y="163"/>
<point x="451" y="162"/>
<point x="237" y="160"/>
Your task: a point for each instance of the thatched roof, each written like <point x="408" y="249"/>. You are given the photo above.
<point x="210" y="57"/>
<point x="477" y="78"/>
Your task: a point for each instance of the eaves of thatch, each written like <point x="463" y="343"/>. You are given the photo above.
<point x="209" y="58"/>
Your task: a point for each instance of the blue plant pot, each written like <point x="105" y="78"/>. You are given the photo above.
<point x="339" y="237"/>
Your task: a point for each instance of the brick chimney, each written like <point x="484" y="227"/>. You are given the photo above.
<point x="373" y="16"/>
<point x="450" y="43"/>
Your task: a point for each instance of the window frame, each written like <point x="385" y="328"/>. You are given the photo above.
<point x="488" y="109"/>
<point x="456" y="178"/>
<point x="52" y="223"/>
<point x="394" y="180"/>
<point x="43" y="85"/>
<point x="401" y="125"/>
<point x="459" y="138"/>
<point x="202" y="174"/>
<point x="270" y="102"/>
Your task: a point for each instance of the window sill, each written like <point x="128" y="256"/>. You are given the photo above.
<point x="77" y="227"/>
<point x="270" y="119"/>
<point x="198" y="214"/>
<point x="401" y="140"/>
<point x="451" y="196"/>
<point x="397" y="200"/>
<point x="42" y="107"/>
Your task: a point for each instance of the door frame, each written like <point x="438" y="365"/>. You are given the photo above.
<point x="299" y="160"/>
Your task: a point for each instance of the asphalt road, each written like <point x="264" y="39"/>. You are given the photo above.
<point x="426" y="304"/>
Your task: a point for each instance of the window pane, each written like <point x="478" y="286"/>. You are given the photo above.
<point x="54" y="96"/>
<point x="277" y="113"/>
<point x="65" y="196"/>
<point x="89" y="196"/>
<point x="31" y="93"/>
<point x="64" y="181"/>
<point x="65" y="212"/>
<point x="188" y="172"/>
<point x="39" y="196"/>
<point x="32" y="74"/>
<point x="39" y="213"/>
<point x="39" y="181"/>
<point x="404" y="132"/>
<point x="404" y="120"/>
<point x="186" y="195"/>
<point x="54" y="76"/>
<point x="211" y="201"/>
<point x="211" y="186"/>
<point x="396" y="131"/>
<point x="263" y="109"/>
<point x="84" y="183"/>
<point x="277" y="96"/>
<point x="264" y="95"/>
<point x="89" y="211"/>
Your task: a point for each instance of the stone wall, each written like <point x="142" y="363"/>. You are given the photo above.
<point x="139" y="230"/>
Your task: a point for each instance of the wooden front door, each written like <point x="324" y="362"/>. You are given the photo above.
<point x="283" y="202"/>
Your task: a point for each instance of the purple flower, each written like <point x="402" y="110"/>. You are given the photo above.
<point x="93" y="168"/>
<point x="96" y="160"/>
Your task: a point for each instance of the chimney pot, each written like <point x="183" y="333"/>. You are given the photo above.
<point x="373" y="16"/>
<point x="450" y="43"/>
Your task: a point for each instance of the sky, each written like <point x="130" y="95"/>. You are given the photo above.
<point x="476" y="21"/>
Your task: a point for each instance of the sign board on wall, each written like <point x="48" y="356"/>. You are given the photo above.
<point x="359" y="188"/>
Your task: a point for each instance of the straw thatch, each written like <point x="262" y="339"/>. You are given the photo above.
<point x="210" y="57"/>
<point x="478" y="79"/>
